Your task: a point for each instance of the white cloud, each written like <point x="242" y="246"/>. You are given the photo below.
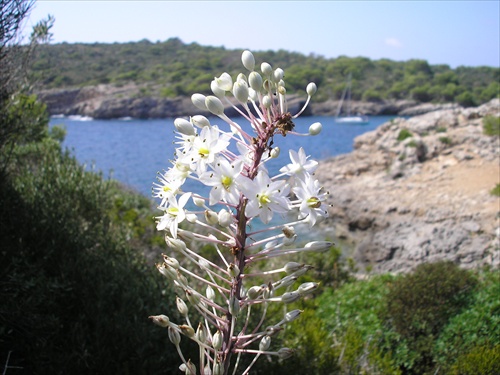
<point x="393" y="42"/>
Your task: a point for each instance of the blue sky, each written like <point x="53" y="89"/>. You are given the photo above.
<point x="442" y="32"/>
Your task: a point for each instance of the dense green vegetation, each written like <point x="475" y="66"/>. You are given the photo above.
<point x="172" y="68"/>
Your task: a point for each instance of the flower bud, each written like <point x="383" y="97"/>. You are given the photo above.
<point x="217" y="369"/>
<point x="233" y="270"/>
<point x="225" y="218"/>
<point x="161" y="320"/>
<point x="181" y="306"/>
<point x="315" y="128"/>
<point x="201" y="333"/>
<point x="290" y="297"/>
<point x="210" y="293"/>
<point x="192" y="296"/>
<point x="172" y="262"/>
<point x="291" y="267"/>
<point x="278" y="75"/>
<point x="234" y="306"/>
<point x="242" y="77"/>
<point x="240" y="91"/>
<point x="307" y="288"/>
<point x="174" y="336"/>
<point x="265" y="343"/>
<point x="253" y="95"/>
<point x="167" y="271"/>
<point x="255" y="81"/>
<point x="266" y="101"/>
<point x="211" y="217"/>
<point x="318" y="245"/>
<point x="292" y="315"/>
<point x="272" y="330"/>
<point x="187" y="330"/>
<point x="285" y="353"/>
<point x="217" y="340"/>
<point x="214" y="105"/>
<point x="199" y="101"/>
<point x="266" y="69"/>
<point x="288" y="231"/>
<point x="286" y="281"/>
<point x="184" y="126"/>
<point x="192" y="218"/>
<point x="254" y="292"/>
<point x="311" y="89"/>
<point x="200" y="121"/>
<point x="248" y="60"/>
<point x="175" y="243"/>
<point x="275" y="152"/>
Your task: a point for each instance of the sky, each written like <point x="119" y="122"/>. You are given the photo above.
<point x="455" y="33"/>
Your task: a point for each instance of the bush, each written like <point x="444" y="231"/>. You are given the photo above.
<point x="403" y="134"/>
<point x="491" y="125"/>
<point x="496" y="191"/>
<point x="420" y="304"/>
<point x="482" y="360"/>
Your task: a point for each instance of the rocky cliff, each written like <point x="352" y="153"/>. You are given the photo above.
<point x="108" y="102"/>
<point x="400" y="202"/>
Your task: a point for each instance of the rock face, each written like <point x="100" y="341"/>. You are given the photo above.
<point x="108" y="102"/>
<point x="420" y="199"/>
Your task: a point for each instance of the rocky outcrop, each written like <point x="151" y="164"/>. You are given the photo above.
<point x="401" y="202"/>
<point x="108" y="102"/>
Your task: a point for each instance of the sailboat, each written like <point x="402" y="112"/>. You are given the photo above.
<point x="350" y="119"/>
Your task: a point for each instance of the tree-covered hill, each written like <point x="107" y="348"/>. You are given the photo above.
<point x="172" y="68"/>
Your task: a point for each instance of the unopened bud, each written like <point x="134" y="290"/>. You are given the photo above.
<point x="210" y="293"/>
<point x="174" y="335"/>
<point x="199" y="101"/>
<point x="192" y="296"/>
<point x="240" y="91"/>
<point x="315" y="128"/>
<point x="200" y="121"/>
<point x="265" y="343"/>
<point x="217" y="369"/>
<point x="187" y="330"/>
<point x="233" y="270"/>
<point x="181" y="306"/>
<point x="255" y="81"/>
<point x="290" y="297"/>
<point x="285" y="353"/>
<point x="211" y="217"/>
<point x="161" y="320"/>
<point x="201" y="333"/>
<point x="266" y="69"/>
<point x="292" y="315"/>
<point x="225" y="218"/>
<point x="307" y="288"/>
<point x="184" y="126"/>
<point x="267" y="102"/>
<point x="318" y="246"/>
<point x="172" y="262"/>
<point x="254" y="292"/>
<point x="217" y="340"/>
<point x="291" y="267"/>
<point x="234" y="306"/>
<point x="275" y="152"/>
<point x="311" y="89"/>
<point x="272" y="330"/>
<point x="278" y="75"/>
<point x="214" y="105"/>
<point x="288" y="231"/>
<point x="167" y="271"/>
<point x="285" y="282"/>
<point x="248" y="60"/>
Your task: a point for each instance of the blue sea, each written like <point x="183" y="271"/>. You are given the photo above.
<point x="132" y="151"/>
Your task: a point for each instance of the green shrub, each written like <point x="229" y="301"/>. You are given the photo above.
<point x="403" y="134"/>
<point x="479" y="325"/>
<point x="482" y="360"/>
<point x="496" y="191"/>
<point x="420" y="304"/>
<point x="445" y="140"/>
<point x="491" y="125"/>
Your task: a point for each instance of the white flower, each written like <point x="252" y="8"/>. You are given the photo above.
<point x="265" y="197"/>
<point x="300" y="166"/>
<point x="223" y="180"/>
<point x="173" y="214"/>
<point x="309" y="192"/>
<point x="205" y="148"/>
<point x="166" y="188"/>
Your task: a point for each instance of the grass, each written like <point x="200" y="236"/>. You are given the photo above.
<point x="491" y="125"/>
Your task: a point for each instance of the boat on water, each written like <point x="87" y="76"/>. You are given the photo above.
<point x="348" y="118"/>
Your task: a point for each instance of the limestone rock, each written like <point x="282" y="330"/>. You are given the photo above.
<point x="422" y="199"/>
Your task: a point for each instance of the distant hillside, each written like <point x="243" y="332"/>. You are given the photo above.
<point x="172" y="68"/>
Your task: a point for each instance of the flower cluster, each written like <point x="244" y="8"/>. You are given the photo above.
<point x="240" y="190"/>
